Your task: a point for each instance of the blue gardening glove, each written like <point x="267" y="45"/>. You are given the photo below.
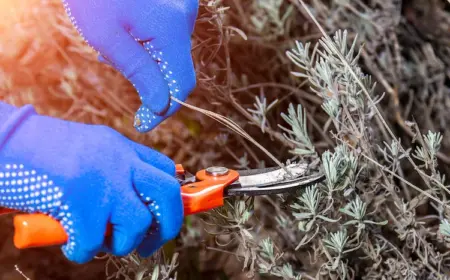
<point x="86" y="176"/>
<point x="148" y="41"/>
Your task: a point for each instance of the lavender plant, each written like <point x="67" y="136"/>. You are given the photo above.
<point x="342" y="215"/>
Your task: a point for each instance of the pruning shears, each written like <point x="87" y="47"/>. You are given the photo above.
<point x="201" y="192"/>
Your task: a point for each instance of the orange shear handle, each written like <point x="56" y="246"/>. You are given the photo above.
<point x="38" y="230"/>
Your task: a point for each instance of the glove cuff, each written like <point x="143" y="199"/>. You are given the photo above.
<point x="13" y="121"/>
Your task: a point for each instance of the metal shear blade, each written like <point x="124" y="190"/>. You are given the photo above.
<point x="208" y="188"/>
<point x="272" y="180"/>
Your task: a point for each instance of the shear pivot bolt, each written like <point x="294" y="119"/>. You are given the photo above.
<point x="217" y="171"/>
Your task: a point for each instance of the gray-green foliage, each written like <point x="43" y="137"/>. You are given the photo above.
<point x="427" y="153"/>
<point x="268" y="262"/>
<point x="268" y="18"/>
<point x="260" y="111"/>
<point x="329" y="76"/>
<point x="137" y="268"/>
<point x="351" y="112"/>
<point x="298" y="133"/>
<point x="341" y="214"/>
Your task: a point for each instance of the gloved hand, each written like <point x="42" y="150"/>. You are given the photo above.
<point x="149" y="42"/>
<point x="86" y="176"/>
